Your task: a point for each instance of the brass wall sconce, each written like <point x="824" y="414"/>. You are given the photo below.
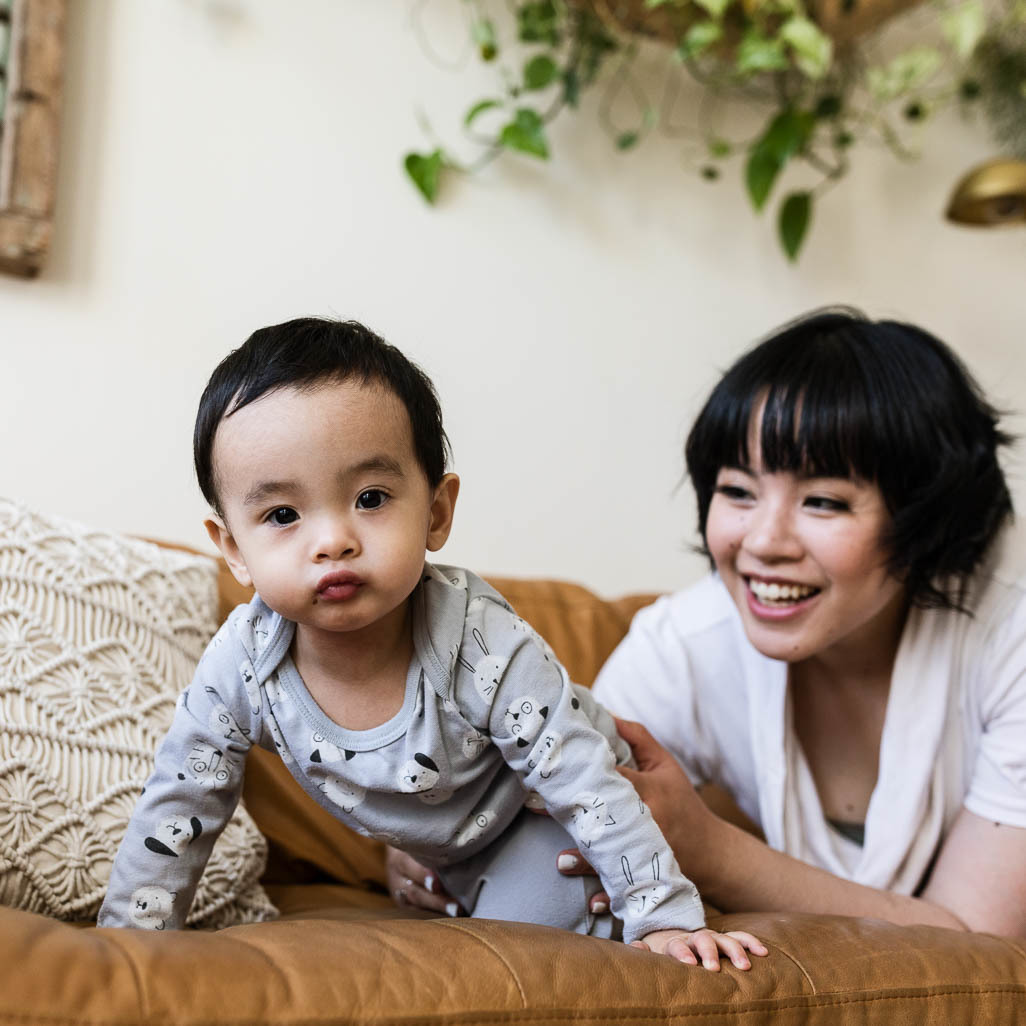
<point x="993" y="193"/>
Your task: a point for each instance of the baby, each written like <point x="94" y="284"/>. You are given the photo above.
<point x="407" y="699"/>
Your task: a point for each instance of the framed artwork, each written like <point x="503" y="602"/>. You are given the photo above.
<point x="31" y="55"/>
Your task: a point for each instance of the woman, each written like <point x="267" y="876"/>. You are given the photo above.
<point x="854" y="670"/>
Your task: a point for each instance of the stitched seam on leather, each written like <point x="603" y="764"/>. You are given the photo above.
<point x="495" y="952"/>
<point x="758" y="1006"/>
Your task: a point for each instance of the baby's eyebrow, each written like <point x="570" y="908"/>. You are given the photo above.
<point x="261" y="492"/>
<point x="380" y="464"/>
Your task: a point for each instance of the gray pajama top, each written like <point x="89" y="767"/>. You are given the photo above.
<point x="489" y="716"/>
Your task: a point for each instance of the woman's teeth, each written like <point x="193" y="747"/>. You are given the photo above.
<point x="780" y="594"/>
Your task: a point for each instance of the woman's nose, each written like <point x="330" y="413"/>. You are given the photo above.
<point x="771" y="536"/>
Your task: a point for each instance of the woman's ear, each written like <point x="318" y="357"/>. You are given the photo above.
<point x="442" y="507"/>
<point x="223" y="539"/>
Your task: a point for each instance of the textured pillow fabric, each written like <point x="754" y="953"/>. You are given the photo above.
<point x="98" y="636"/>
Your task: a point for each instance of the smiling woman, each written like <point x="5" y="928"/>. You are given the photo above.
<point x="853" y="670"/>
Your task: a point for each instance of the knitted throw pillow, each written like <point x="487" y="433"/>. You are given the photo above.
<point x="98" y="635"/>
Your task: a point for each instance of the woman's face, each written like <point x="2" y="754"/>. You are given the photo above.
<point x="804" y="561"/>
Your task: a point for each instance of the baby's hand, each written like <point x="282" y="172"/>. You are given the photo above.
<point x="706" y="944"/>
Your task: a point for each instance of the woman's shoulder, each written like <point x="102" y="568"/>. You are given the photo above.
<point x="698" y="609"/>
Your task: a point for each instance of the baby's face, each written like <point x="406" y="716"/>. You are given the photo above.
<point x="328" y="511"/>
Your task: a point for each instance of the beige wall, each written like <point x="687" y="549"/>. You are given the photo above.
<point x="230" y="164"/>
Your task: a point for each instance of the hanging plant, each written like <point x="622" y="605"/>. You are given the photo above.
<point x="809" y="67"/>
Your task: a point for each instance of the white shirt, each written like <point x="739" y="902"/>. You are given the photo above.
<point x="954" y="734"/>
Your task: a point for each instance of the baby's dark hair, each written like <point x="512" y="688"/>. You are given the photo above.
<point x="880" y="401"/>
<point x="305" y="353"/>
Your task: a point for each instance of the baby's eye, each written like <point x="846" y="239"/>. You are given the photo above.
<point x="283" y="516"/>
<point x="373" y="498"/>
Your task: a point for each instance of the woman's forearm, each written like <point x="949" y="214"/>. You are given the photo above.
<point x="738" y="872"/>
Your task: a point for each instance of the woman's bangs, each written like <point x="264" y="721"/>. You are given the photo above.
<point x="821" y="430"/>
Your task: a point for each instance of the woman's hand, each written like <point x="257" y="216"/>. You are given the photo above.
<point x="707" y="945"/>
<point x="412" y="884"/>
<point x="664" y="787"/>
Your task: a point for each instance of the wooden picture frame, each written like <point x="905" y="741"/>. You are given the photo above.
<point x="29" y="122"/>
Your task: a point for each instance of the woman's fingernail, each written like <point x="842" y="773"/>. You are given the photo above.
<point x="599" y="907"/>
<point x="429" y="883"/>
<point x="566" y="862"/>
<point x="452" y="910"/>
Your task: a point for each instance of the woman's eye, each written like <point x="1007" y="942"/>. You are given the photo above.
<point x="373" y="498"/>
<point x="827" y="504"/>
<point x="733" y="492"/>
<point x="283" y="516"/>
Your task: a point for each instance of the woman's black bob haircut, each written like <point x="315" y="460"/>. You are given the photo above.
<point x="880" y="401"/>
<point x="305" y="353"/>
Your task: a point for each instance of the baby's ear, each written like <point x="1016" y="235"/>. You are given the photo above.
<point x="443" y="505"/>
<point x="225" y="541"/>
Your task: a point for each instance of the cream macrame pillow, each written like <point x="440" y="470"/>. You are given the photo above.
<point x="98" y="635"/>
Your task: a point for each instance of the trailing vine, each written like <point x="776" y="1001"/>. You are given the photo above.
<point x="817" y="80"/>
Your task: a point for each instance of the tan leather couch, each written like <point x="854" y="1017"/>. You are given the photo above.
<point x="342" y="953"/>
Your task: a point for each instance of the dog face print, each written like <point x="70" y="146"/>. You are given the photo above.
<point x="590" y="818"/>
<point x="173" y="835"/>
<point x="524" y="720"/>
<point x="322" y="750"/>
<point x="151" y="907"/>
<point x="344" y="793"/>
<point x="643" y="895"/>
<point x="546" y="756"/>
<point x="209" y="766"/>
<point x="474" y="826"/>
<point x="222" y="721"/>
<point x="418" y="774"/>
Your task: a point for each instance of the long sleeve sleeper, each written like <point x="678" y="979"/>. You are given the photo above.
<point x="489" y="717"/>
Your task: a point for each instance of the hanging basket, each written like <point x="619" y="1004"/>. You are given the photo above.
<point x="843" y="20"/>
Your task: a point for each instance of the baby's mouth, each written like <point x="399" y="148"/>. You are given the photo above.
<point x="777" y="594"/>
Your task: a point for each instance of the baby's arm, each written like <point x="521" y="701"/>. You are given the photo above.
<point x="189" y="797"/>
<point x="540" y="724"/>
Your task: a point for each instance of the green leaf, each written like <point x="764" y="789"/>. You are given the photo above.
<point x="627" y="140"/>
<point x="964" y="27"/>
<point x="760" y="173"/>
<point x="526" y="133"/>
<point x="788" y="134"/>
<point x="656" y="3"/>
<point x="480" y="108"/>
<point x="714" y="8"/>
<point x="538" y="23"/>
<point x="757" y="52"/>
<point x="425" y="169"/>
<point x="813" y="49"/>
<point x="795" y="216"/>
<point x="483" y="33"/>
<point x="698" y="39"/>
<point x="540" y="71"/>
<point x="905" y="73"/>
